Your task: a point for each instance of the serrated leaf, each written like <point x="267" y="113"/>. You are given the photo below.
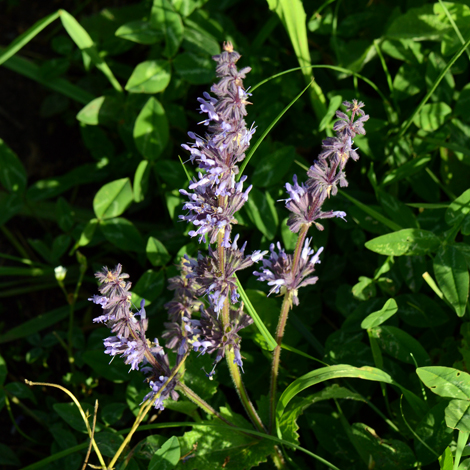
<point x="151" y="131"/>
<point x="113" y="199"/>
<point x="406" y="242"/>
<point x="452" y="277"/>
<point x="12" y="173"/>
<point x="151" y="76"/>
<point x="156" y="252"/>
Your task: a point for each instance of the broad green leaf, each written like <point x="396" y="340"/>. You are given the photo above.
<point x="12" y="173"/>
<point x="113" y="199"/>
<point x="463" y="102"/>
<point x="167" y="456"/>
<point x="112" y="412"/>
<point x="446" y="461"/>
<point x="433" y="431"/>
<point x="406" y="242"/>
<point x="387" y="454"/>
<point x="88" y="232"/>
<point x="412" y="269"/>
<point x="21" y="390"/>
<point x="200" y="42"/>
<point x="262" y="212"/>
<point x="186" y="7"/>
<point x="99" y="363"/>
<point x="148" y="287"/>
<point x="101" y="110"/>
<point x="432" y="116"/>
<point x="164" y="17"/>
<point x="342" y="371"/>
<point x="157" y="253"/>
<point x="39" y="323"/>
<point x="71" y="415"/>
<point x="84" y="42"/>
<point x="8" y="456"/>
<point x="435" y="65"/>
<point x="108" y="443"/>
<point x="10" y="205"/>
<point x="122" y="233"/>
<point x="365" y="289"/>
<point x="139" y="31"/>
<point x="141" y="180"/>
<point x="151" y="76"/>
<point x="272" y="168"/>
<point x="396" y="210"/>
<point x="405" y="50"/>
<point x="381" y="316"/>
<point x="194" y="68"/>
<point x="452" y="277"/>
<point x="65" y="215"/>
<point x="400" y="345"/>
<point x="464" y="251"/>
<point x="151" y="131"/>
<point x="458" y="415"/>
<point x="458" y="209"/>
<point x="446" y="381"/>
<point x="408" y="81"/>
<point x="420" y="310"/>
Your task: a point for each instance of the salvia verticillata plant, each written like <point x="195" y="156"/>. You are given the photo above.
<point x="206" y="314"/>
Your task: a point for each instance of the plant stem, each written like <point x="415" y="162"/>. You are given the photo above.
<point x="195" y="398"/>
<point x="281" y="325"/>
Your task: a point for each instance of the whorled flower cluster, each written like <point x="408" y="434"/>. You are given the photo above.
<point x="327" y="173"/>
<point x="130" y="341"/>
<point x="216" y="195"/>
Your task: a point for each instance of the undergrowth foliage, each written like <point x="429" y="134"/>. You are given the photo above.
<point x="280" y="315"/>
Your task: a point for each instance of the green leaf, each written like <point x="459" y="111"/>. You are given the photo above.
<point x="432" y="116"/>
<point x="272" y="168"/>
<point x="12" y="173"/>
<point x="151" y="131"/>
<point x="99" y="363"/>
<point x="167" y="456"/>
<point x="400" y="345"/>
<point x="421" y="311"/>
<point x="365" y="289"/>
<point x="113" y="199"/>
<point x="446" y="461"/>
<point x="262" y="212"/>
<point x="200" y="42"/>
<point x="396" y="210"/>
<point x="381" y="316"/>
<point x="433" y="431"/>
<point x="112" y="413"/>
<point x="458" y="209"/>
<point x="148" y="287"/>
<point x="458" y="415"/>
<point x="412" y="269"/>
<point x="141" y="180"/>
<point x="64" y="215"/>
<point x="342" y="371"/>
<point x="386" y="454"/>
<point x="39" y="322"/>
<point x="163" y="16"/>
<point x="10" y="205"/>
<point x="71" y="415"/>
<point x="139" y="31"/>
<point x="406" y="242"/>
<point x="156" y="252"/>
<point x="88" y="232"/>
<point x="404" y="171"/>
<point x="122" y="233"/>
<point x="452" y="277"/>
<point x="108" y="443"/>
<point x="194" y="68"/>
<point x="8" y="457"/>
<point x="101" y="110"/>
<point x="20" y="390"/>
<point x="151" y="76"/>
<point x="334" y="105"/>
<point x="3" y="370"/>
<point x="446" y="381"/>
<point x="84" y="42"/>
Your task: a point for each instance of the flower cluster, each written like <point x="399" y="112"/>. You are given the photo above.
<point x="130" y="341"/>
<point x="214" y="197"/>
<point x="287" y="273"/>
<point x="327" y="173"/>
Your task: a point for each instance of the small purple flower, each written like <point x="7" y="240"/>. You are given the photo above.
<point x="169" y="391"/>
<point x="278" y="270"/>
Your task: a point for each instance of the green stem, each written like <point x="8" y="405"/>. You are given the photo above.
<point x="281" y="325"/>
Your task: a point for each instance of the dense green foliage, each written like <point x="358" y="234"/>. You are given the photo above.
<point x="374" y="371"/>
